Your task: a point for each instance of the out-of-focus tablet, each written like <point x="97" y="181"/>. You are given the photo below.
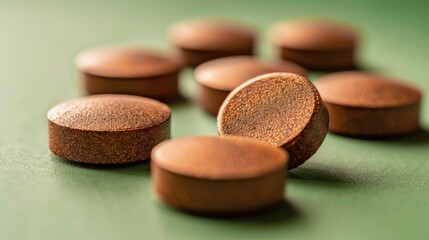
<point x="201" y="40"/>
<point x="316" y="44"/>
<point x="364" y="104"/>
<point x="129" y="70"/>
<point x="219" y="175"/>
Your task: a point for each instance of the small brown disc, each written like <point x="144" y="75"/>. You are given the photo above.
<point x="217" y="78"/>
<point x="218" y="175"/>
<point x="316" y="44"/>
<point x="107" y="129"/>
<point x="283" y="109"/>
<point x="366" y="104"/>
<point x="129" y="70"/>
<point x="201" y="40"/>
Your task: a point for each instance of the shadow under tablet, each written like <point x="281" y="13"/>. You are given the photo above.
<point x="141" y="168"/>
<point x="282" y="212"/>
<point x="419" y="137"/>
<point x="320" y="175"/>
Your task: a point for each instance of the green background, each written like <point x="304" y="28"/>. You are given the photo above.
<point x="351" y="189"/>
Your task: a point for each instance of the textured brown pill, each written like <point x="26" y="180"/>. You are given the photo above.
<point x="316" y="44"/>
<point x="366" y="104"/>
<point x="129" y="70"/>
<point x="217" y="78"/>
<point x="201" y="40"/>
<point x="107" y="129"/>
<point x="283" y="109"/>
<point x="218" y="175"/>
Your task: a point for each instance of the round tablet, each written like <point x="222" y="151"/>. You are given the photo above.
<point x="201" y="40"/>
<point x="316" y="44"/>
<point x="283" y="109"/>
<point x="217" y="78"/>
<point x="369" y="105"/>
<point x="218" y="175"/>
<point x="107" y="129"/>
<point x="129" y="70"/>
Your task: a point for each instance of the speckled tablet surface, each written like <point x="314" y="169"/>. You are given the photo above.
<point x="283" y="109"/>
<point x="217" y="78"/>
<point x="108" y="128"/>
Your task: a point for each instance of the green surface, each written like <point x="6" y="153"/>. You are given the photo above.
<point x="351" y="189"/>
